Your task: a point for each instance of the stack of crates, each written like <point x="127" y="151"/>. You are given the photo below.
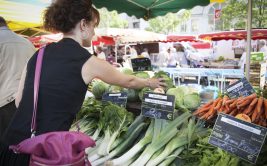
<point x="257" y="74"/>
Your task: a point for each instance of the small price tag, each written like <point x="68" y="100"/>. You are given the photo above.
<point x="240" y="88"/>
<point x="158" y="106"/>
<point x="141" y="64"/>
<point x="238" y="137"/>
<point x="116" y="98"/>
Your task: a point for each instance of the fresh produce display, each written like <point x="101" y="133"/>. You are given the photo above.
<point x="251" y="108"/>
<point x="138" y="141"/>
<point x="122" y="139"/>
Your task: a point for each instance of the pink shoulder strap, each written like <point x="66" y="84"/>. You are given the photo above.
<point x="37" y="75"/>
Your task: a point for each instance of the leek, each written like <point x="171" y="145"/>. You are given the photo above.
<point x="171" y="158"/>
<point x="122" y="147"/>
<point x="136" y="148"/>
<point x="139" y="119"/>
<point x="166" y="135"/>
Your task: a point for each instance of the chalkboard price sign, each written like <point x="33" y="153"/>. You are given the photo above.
<point x="238" y="137"/>
<point x="141" y="64"/>
<point x="116" y="98"/>
<point x="240" y="88"/>
<point x="158" y="106"/>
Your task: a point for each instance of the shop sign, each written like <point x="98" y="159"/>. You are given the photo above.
<point x="257" y="56"/>
<point x="240" y="88"/>
<point x="238" y="137"/>
<point x="116" y="98"/>
<point x="141" y="64"/>
<point x="159" y="106"/>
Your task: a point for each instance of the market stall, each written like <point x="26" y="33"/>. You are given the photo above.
<point x="164" y="131"/>
<point x="173" y="125"/>
<point x="235" y="35"/>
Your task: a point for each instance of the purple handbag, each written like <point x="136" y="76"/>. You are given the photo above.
<point x="53" y="148"/>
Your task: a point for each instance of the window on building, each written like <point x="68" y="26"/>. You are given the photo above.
<point x="183" y="27"/>
<point x="136" y="25"/>
<point x="194" y="25"/>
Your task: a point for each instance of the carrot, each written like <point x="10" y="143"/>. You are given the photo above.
<point x="260" y="114"/>
<point x="225" y="98"/>
<point x="234" y="112"/>
<point x="265" y="107"/>
<point x="250" y="114"/>
<point x="251" y="97"/>
<point x="221" y="109"/>
<point x="204" y="116"/>
<point x="251" y="106"/>
<point x="244" y="103"/>
<point x="263" y="120"/>
<point x="240" y="99"/>
<point x="201" y="110"/>
<point x="264" y="124"/>
<point x="254" y="114"/>
<point x="208" y="104"/>
<point x="257" y="122"/>
<point x="230" y="101"/>
<point x="227" y="109"/>
<point x="233" y="105"/>
<point x="254" y="101"/>
<point x="259" y="104"/>
<point x="219" y="104"/>
<point x="240" y="110"/>
<point x="212" y="110"/>
<point x="201" y="114"/>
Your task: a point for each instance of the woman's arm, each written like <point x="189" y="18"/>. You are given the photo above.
<point x="21" y="87"/>
<point x="95" y="68"/>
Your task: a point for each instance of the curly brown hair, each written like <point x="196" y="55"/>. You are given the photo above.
<point x="63" y="15"/>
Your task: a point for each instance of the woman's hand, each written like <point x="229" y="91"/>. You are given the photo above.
<point x="156" y="83"/>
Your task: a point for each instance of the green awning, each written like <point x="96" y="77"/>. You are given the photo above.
<point x="148" y="9"/>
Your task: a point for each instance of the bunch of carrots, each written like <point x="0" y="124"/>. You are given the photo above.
<point x="254" y="107"/>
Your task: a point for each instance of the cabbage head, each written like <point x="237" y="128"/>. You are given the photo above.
<point x="191" y="101"/>
<point x="99" y="88"/>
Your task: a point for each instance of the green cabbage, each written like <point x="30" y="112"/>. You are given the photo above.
<point x="142" y="74"/>
<point x="167" y="79"/>
<point x="191" y="101"/>
<point x="99" y="88"/>
<point x="127" y="71"/>
<point x="185" y="98"/>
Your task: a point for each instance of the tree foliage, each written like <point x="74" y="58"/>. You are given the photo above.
<point x="168" y="23"/>
<point x="234" y="14"/>
<point x="111" y="19"/>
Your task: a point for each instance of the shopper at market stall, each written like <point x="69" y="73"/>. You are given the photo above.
<point x="181" y="56"/>
<point x="14" y="54"/>
<point x="67" y="70"/>
<point x="172" y="57"/>
<point x="162" y="58"/>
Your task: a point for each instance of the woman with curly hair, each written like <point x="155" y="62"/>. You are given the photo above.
<point x="67" y="70"/>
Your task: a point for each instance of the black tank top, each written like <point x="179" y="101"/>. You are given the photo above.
<point x="61" y="92"/>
